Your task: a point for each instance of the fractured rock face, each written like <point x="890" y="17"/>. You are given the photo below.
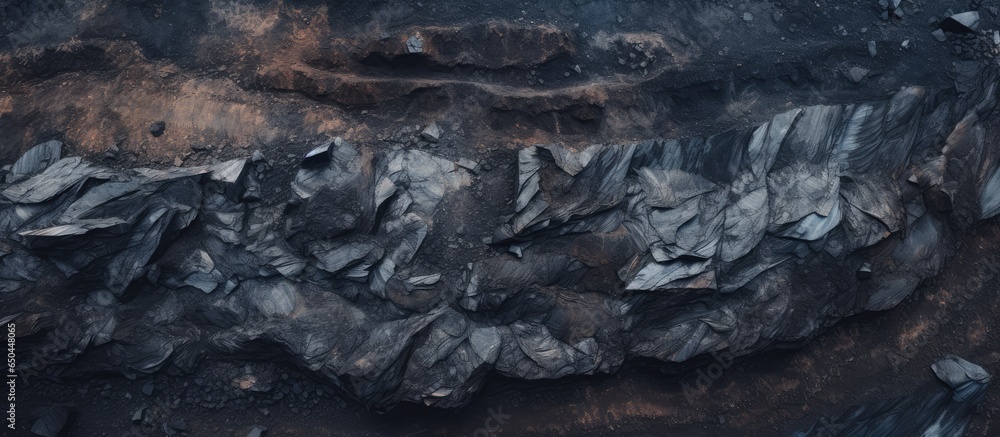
<point x="743" y="241"/>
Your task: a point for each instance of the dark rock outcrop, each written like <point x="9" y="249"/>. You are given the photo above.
<point x="744" y="241"/>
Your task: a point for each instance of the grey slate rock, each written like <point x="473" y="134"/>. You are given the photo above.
<point x="37" y="158"/>
<point x="257" y="156"/>
<point x="139" y="415"/>
<point x="857" y="74"/>
<point x="414" y="44"/>
<point x="469" y="164"/>
<point x="965" y="378"/>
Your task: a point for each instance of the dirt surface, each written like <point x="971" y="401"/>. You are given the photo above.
<point x="228" y="78"/>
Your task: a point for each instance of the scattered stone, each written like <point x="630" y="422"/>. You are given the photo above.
<point x="469" y="164"/>
<point x="431" y="133"/>
<point x="966" y="22"/>
<point x="414" y="44"/>
<point x="147" y="389"/>
<point x="157" y="128"/>
<point x="939" y="35"/>
<point x="748" y="17"/>
<point x="872" y="50"/>
<point x="257" y="156"/>
<point x="139" y="415"/>
<point x="857" y="74"/>
<point x="257" y="431"/>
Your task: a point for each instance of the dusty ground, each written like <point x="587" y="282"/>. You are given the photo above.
<point x="232" y="77"/>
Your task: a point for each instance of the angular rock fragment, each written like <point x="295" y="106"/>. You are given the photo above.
<point x="139" y="415"/>
<point x="965" y="22"/>
<point x="470" y="165"/>
<point x="431" y="133"/>
<point x="414" y="44"/>
<point x="857" y="74"/>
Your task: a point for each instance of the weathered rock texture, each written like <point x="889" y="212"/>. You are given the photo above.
<point x="745" y="241"/>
